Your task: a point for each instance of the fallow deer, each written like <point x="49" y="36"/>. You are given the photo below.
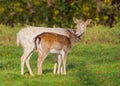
<point x="26" y="36"/>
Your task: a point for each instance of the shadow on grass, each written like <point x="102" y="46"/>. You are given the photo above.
<point x="45" y="71"/>
<point x="70" y="66"/>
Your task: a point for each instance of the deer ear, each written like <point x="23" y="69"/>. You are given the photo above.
<point x="76" y="21"/>
<point x="87" y="22"/>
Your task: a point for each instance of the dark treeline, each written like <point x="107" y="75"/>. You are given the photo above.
<point x="58" y="12"/>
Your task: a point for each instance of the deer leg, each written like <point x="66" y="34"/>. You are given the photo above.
<point x="64" y="63"/>
<point x="55" y="68"/>
<point x="61" y="71"/>
<point x="59" y="64"/>
<point x="23" y="59"/>
<point x="39" y="64"/>
<point x="41" y="58"/>
<point x="22" y="63"/>
<point x="55" y="65"/>
<point x="58" y="60"/>
<point x="28" y="65"/>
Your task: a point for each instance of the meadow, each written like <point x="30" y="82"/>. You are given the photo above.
<point x="94" y="61"/>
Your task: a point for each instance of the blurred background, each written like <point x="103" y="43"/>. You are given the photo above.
<point x="59" y="12"/>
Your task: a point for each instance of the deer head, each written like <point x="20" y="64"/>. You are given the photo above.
<point x="81" y="26"/>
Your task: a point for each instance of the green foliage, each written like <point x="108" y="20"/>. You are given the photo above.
<point x="56" y="12"/>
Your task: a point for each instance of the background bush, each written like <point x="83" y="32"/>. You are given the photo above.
<point x="58" y="12"/>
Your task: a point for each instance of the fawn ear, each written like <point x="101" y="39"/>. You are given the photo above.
<point x="87" y="22"/>
<point x="76" y="21"/>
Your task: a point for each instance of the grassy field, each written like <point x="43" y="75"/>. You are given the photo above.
<point x="95" y="61"/>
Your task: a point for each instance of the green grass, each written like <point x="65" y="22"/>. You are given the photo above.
<point x="92" y="62"/>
